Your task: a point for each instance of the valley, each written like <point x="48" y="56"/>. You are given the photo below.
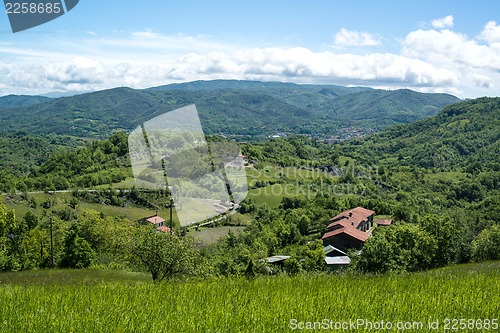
<point x="71" y="204"/>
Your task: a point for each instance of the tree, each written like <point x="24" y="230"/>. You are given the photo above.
<point x="164" y="255"/>
<point x="402" y="247"/>
<point x="314" y="256"/>
<point x="447" y="235"/>
<point x="3" y="220"/>
<point x="73" y="202"/>
<point x="78" y="252"/>
<point x="486" y="246"/>
<point x="303" y="225"/>
<point x="36" y="249"/>
<point x="31" y="219"/>
<point x="292" y="266"/>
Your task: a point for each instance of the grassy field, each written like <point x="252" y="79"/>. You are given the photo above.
<point x="272" y="194"/>
<point x="451" y="176"/>
<point x="109" y="301"/>
<point x="207" y="236"/>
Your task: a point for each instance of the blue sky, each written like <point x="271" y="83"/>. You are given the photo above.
<point x="429" y="46"/>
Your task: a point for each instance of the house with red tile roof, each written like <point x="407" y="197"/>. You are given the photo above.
<point x="158" y="223"/>
<point x="349" y="229"/>
<point x="164" y="229"/>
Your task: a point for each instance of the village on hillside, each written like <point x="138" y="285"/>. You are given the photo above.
<point x="347" y="231"/>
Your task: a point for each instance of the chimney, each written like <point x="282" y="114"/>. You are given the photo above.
<point x="350" y="214"/>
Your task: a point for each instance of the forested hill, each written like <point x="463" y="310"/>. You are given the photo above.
<point x="12" y="101"/>
<point x="465" y="134"/>
<point x="228" y="107"/>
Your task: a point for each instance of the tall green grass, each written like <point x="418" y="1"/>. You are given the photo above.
<point x="265" y="304"/>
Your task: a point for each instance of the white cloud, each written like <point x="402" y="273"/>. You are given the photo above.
<point x="449" y="48"/>
<point x="442" y="23"/>
<point x="290" y="64"/>
<point x="356" y="38"/>
<point x="476" y="64"/>
<point x="490" y="33"/>
<point x="483" y="81"/>
<point x="429" y="60"/>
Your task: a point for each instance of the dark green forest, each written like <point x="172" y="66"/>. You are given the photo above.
<point x="240" y="109"/>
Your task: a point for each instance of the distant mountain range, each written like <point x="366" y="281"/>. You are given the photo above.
<point x="233" y="108"/>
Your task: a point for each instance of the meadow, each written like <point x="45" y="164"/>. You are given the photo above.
<point x="96" y="300"/>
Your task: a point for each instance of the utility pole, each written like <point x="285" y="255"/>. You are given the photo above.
<point x="51" y="242"/>
<point x="171" y="220"/>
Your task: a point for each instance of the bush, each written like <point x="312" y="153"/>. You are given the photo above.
<point x="402" y="247"/>
<point x="486" y="246"/>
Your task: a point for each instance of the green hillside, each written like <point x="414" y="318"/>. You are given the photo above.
<point x="296" y="184"/>
<point x="21" y="152"/>
<point x="12" y="101"/>
<point x="461" y="135"/>
<point x="87" y="115"/>
<point x="227" y="107"/>
<point x="389" y="107"/>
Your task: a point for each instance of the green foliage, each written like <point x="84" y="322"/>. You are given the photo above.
<point x="3" y="220"/>
<point x="461" y="135"/>
<point x="163" y="255"/>
<point x="78" y="252"/>
<point x="11" y="101"/>
<point x="402" y="247"/>
<point x="152" y="199"/>
<point x="99" y="162"/>
<point x="292" y="266"/>
<point x="447" y="205"/>
<point x="486" y="246"/>
<point x="31" y="219"/>
<point x="21" y="152"/>
<point x="448" y="235"/>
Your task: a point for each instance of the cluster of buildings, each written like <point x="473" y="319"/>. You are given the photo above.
<point x="346" y="231"/>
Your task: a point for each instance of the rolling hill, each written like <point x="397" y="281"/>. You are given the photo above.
<point x="230" y="107"/>
<point x="12" y="101"/>
<point x="460" y="135"/>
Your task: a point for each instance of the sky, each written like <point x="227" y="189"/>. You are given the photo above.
<point x="429" y="46"/>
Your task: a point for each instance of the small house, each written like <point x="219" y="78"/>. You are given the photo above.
<point x="158" y="223"/>
<point x="335" y="258"/>
<point x="276" y="260"/>
<point x="349" y="229"/>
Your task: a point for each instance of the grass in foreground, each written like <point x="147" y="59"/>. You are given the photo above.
<point x="266" y="304"/>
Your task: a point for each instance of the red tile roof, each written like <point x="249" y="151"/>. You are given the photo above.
<point x="155" y="219"/>
<point x="349" y="230"/>
<point x="163" y="229"/>
<point x="353" y="217"/>
<point x="383" y="222"/>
